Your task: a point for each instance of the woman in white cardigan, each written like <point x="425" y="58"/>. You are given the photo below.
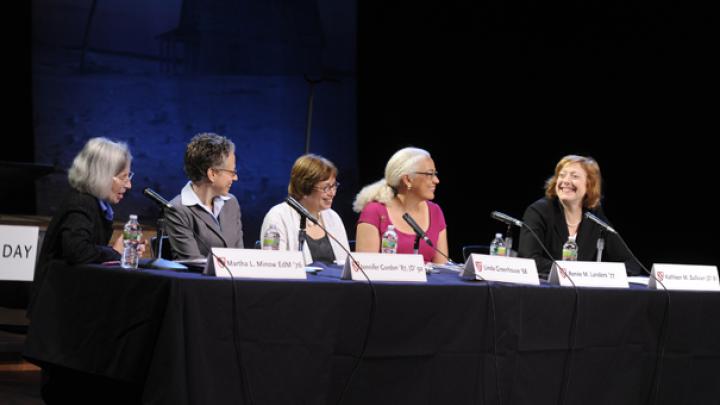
<point x="313" y="183"/>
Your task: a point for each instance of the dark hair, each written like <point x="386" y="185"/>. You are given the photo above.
<point x="204" y="151"/>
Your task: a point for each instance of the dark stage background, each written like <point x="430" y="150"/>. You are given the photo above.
<point x="497" y="92"/>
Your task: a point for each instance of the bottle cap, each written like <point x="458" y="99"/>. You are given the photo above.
<point x="133" y="216"/>
<point x="498" y="235"/>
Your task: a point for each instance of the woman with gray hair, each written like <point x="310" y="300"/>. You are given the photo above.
<point x="409" y="185"/>
<point x="79" y="233"/>
<point x="81" y="229"/>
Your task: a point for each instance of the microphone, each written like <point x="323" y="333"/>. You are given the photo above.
<point x="421" y="234"/>
<point x="600" y="222"/>
<point x="507" y="219"/>
<point x="499" y="216"/>
<point x="157" y="198"/>
<point x="300" y="209"/>
<point x="418" y="231"/>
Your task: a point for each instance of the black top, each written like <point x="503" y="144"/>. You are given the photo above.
<point x="78" y="233"/>
<point x="546" y="217"/>
<point x="321" y="250"/>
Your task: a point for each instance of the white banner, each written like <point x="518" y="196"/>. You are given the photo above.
<point x="589" y="274"/>
<point x="386" y="267"/>
<point x="18" y="251"/>
<point x="256" y="263"/>
<point x="501" y="268"/>
<point x="685" y="277"/>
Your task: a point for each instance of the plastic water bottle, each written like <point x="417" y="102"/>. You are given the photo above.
<point x="389" y="240"/>
<point x="497" y="246"/>
<point x="132" y="233"/>
<point x="271" y="238"/>
<point x="570" y="249"/>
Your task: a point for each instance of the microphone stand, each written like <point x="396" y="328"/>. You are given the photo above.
<point x="158" y="262"/>
<point x="508" y="241"/>
<point x="160" y="234"/>
<point x="302" y="235"/>
<point x="600" y="245"/>
<point x="416" y="245"/>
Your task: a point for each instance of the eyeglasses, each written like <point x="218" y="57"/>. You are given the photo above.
<point x="232" y="172"/>
<point x="125" y="179"/>
<point x="431" y="174"/>
<point x="327" y="188"/>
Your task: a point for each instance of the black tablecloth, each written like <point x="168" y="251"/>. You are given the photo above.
<point x="444" y="342"/>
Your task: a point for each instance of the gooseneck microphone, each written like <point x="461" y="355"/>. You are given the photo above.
<point x="416" y="228"/>
<point x="157" y="198"/>
<point x="306" y="214"/>
<point x="600" y="222"/>
<point x="158" y="262"/>
<point x="506" y="219"/>
<point x="302" y="210"/>
<point x="421" y="235"/>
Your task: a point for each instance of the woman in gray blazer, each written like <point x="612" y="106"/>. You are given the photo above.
<point x="206" y="215"/>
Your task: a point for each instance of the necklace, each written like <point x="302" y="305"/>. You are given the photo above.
<point x="575" y="224"/>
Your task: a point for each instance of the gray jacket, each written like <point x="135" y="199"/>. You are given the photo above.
<point x="192" y="231"/>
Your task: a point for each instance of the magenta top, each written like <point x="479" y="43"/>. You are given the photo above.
<point x="376" y="214"/>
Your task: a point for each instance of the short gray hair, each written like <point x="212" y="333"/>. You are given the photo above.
<point x="93" y="168"/>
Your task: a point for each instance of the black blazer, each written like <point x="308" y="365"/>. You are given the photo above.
<point x="78" y="234"/>
<point x="546" y="217"/>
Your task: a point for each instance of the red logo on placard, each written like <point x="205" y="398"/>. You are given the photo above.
<point x="660" y="275"/>
<point x="478" y="267"/>
<point x="562" y="272"/>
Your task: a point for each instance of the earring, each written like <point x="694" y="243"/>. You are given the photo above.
<point x="409" y="187"/>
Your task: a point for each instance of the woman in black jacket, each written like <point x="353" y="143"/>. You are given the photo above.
<point x="79" y="233"/>
<point x="575" y="188"/>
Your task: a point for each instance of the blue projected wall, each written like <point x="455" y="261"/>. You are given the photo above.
<point x="154" y="75"/>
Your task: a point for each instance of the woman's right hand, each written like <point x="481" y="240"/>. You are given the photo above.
<point x="118" y="244"/>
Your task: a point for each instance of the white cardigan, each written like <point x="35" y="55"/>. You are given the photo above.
<point x="287" y="221"/>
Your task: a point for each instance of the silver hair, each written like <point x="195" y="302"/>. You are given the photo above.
<point x="403" y="162"/>
<point x="93" y="168"/>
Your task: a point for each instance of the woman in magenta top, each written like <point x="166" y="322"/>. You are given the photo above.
<point x="409" y="185"/>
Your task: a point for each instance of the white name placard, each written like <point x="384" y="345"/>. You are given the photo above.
<point x="501" y="268"/>
<point x="685" y="277"/>
<point x="256" y="263"/>
<point x="18" y="251"/>
<point x="386" y="267"/>
<point x="589" y="274"/>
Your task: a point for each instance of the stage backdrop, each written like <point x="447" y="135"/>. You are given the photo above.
<point x="154" y="74"/>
